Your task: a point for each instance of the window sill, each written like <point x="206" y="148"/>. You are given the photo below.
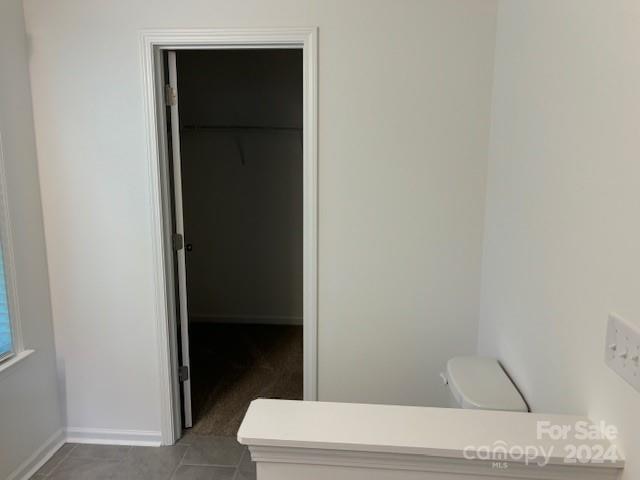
<point x="9" y="363"/>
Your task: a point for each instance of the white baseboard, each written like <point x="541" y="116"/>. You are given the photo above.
<point x="32" y="464"/>
<point x="104" y="436"/>
<point x="245" y="319"/>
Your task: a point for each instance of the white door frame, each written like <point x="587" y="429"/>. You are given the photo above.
<point x="178" y="229"/>
<point x="152" y="43"/>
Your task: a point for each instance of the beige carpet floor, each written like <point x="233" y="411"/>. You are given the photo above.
<point x="233" y="364"/>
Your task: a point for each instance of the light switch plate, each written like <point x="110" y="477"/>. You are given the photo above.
<point x="623" y="349"/>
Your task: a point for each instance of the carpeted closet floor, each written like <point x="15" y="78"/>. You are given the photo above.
<point x="233" y="364"/>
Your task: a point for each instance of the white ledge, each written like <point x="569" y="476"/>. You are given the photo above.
<point x="303" y="428"/>
<point x="8" y="364"/>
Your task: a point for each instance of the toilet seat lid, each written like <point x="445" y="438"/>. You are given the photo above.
<point x="481" y="383"/>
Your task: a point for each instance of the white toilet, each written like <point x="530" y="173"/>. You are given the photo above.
<point x="481" y="383"/>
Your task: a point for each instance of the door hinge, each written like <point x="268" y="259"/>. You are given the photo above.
<point x="170" y="95"/>
<point x="178" y="242"/>
<point x="183" y="373"/>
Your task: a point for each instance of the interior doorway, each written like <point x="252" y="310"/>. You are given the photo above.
<point x="235" y="142"/>
<point x="154" y="45"/>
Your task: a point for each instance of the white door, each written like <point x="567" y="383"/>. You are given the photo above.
<point x="180" y="250"/>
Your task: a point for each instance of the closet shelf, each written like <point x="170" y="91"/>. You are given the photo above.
<point x="239" y="127"/>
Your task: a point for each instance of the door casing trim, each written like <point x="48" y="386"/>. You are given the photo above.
<point x="152" y="42"/>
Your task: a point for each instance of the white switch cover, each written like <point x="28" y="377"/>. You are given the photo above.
<point x="623" y="349"/>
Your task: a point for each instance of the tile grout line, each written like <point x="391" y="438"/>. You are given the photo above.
<point x="175" y="470"/>
<point x="55" y="467"/>
<point x="237" y="474"/>
<point x="107" y="459"/>
<point x="233" y="469"/>
<point x="99" y="445"/>
<point x="236" y="468"/>
<point x="75" y="446"/>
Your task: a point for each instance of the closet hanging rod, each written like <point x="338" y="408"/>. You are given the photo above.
<point x="238" y="127"/>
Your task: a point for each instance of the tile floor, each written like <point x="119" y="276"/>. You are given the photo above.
<point x="194" y="457"/>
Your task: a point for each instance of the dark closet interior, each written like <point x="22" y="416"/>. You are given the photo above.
<point x="240" y="117"/>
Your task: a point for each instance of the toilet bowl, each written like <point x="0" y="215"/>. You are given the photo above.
<point x="481" y="383"/>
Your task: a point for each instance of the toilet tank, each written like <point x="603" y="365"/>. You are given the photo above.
<point x="481" y="383"/>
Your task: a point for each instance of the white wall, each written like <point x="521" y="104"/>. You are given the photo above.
<point x="403" y="129"/>
<point x="30" y="412"/>
<point x="562" y="236"/>
<point x="242" y="189"/>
